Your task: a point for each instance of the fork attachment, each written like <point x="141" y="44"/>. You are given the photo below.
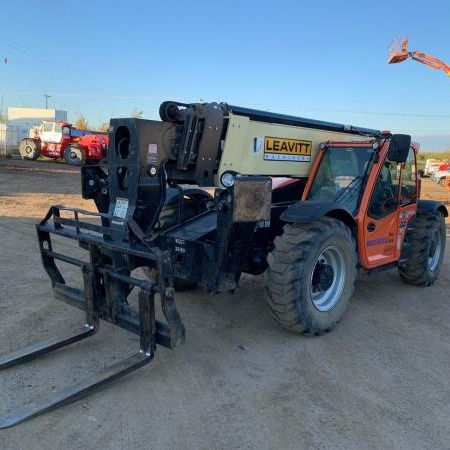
<point x="107" y="283"/>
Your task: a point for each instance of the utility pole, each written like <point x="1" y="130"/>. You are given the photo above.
<point x="46" y="100"/>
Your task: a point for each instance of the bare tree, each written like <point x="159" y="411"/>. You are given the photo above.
<point x="81" y="123"/>
<point x="137" y="114"/>
<point x="103" y="127"/>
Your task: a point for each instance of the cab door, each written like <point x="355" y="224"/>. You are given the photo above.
<point x="392" y="204"/>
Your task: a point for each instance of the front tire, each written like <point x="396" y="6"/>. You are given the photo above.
<point x="29" y="149"/>
<point x="311" y="276"/>
<point x="426" y="240"/>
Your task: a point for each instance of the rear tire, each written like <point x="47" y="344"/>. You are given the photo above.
<point x="311" y="276"/>
<point x="74" y="155"/>
<point x="426" y="240"/>
<point x="29" y="149"/>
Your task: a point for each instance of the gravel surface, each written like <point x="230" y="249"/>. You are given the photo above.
<point x="379" y="380"/>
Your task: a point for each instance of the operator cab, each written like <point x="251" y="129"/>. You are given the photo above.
<point x="51" y="132"/>
<point x="376" y="183"/>
<point x="344" y="171"/>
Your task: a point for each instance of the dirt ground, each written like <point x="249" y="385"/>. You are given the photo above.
<point x="380" y="380"/>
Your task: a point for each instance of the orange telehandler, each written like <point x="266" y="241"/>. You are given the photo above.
<point x="304" y="201"/>
<point x="398" y="52"/>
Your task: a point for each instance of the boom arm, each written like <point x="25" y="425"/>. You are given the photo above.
<point x="399" y="53"/>
<point x="431" y="61"/>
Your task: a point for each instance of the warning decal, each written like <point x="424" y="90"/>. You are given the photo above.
<point x="121" y="208"/>
<point x="282" y="149"/>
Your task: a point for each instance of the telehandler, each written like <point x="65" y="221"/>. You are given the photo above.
<point x="213" y="191"/>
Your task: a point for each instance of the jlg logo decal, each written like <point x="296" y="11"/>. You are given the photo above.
<point x="379" y="241"/>
<point x="281" y="149"/>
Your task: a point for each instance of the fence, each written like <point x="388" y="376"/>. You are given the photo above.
<point x="9" y="139"/>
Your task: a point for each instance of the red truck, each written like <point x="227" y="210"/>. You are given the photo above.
<point x="60" y="140"/>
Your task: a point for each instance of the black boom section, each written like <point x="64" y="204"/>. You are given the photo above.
<point x="197" y="147"/>
<point x="283" y="119"/>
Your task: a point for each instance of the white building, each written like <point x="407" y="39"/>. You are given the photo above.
<point x="22" y="119"/>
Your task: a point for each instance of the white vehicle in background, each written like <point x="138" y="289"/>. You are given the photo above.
<point x="441" y="176"/>
<point x="431" y="166"/>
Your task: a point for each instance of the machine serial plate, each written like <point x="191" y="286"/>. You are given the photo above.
<point x="282" y="149"/>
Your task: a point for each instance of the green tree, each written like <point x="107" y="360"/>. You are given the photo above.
<point x="81" y="123"/>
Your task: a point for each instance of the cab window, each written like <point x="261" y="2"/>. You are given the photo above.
<point x="409" y="187"/>
<point x="341" y="176"/>
<point x="384" y="199"/>
<point x="48" y="126"/>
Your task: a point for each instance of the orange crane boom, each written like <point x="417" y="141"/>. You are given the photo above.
<point x="398" y="52"/>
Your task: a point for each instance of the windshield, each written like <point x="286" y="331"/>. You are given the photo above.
<point x="47" y="126"/>
<point x="341" y="176"/>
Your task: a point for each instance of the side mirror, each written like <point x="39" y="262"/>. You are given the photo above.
<point x="399" y="148"/>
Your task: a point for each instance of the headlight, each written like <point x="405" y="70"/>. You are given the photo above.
<point x="227" y="178"/>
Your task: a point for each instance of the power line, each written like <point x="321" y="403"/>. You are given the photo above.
<point x="348" y="111"/>
<point x="117" y="96"/>
<point x="38" y="61"/>
<point x="280" y="107"/>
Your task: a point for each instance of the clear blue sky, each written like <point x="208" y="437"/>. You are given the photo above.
<point x="321" y="59"/>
